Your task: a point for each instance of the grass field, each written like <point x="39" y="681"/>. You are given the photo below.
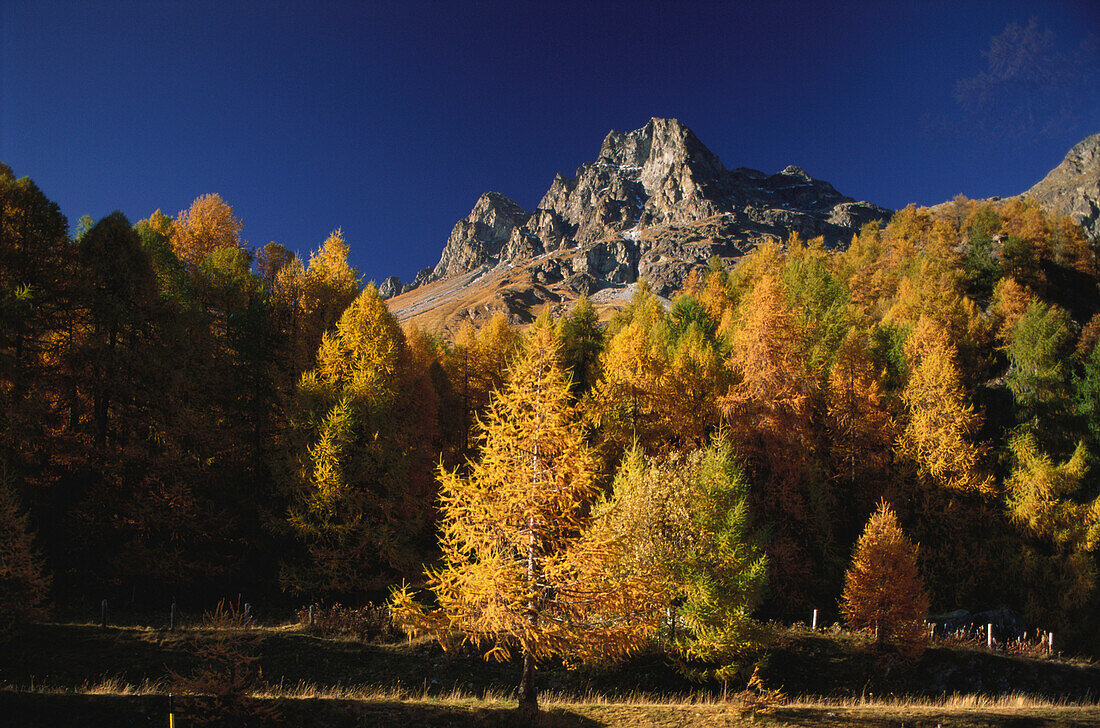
<point x="77" y="674"/>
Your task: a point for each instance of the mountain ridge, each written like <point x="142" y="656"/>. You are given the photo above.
<point x="654" y="205"/>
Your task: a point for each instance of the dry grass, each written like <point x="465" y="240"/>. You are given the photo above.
<point x="387" y="706"/>
<point x="111" y="685"/>
<point x="104" y="686"/>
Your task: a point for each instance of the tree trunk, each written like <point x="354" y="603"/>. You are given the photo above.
<point x="528" y="693"/>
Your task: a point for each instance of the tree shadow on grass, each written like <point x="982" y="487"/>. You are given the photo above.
<point x="112" y="711"/>
<point x="868" y="718"/>
<point x="405" y="714"/>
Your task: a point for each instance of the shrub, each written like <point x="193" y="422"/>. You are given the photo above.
<point x="369" y="622"/>
<point x="226" y="673"/>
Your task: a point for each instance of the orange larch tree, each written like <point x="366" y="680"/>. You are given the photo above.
<point x="883" y="590"/>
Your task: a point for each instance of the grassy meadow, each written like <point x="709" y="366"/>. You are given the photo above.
<point x="57" y="673"/>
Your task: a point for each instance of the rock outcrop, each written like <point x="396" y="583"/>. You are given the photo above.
<point x="654" y="205"/>
<point x="1073" y="187"/>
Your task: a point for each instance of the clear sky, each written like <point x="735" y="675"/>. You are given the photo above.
<point x="389" y="119"/>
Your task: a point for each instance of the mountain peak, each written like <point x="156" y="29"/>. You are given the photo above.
<point x="655" y="204"/>
<point x="659" y="145"/>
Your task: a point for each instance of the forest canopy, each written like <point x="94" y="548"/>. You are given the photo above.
<point x="180" y="412"/>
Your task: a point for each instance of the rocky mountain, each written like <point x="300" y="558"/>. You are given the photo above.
<point x="1073" y="187"/>
<point x="654" y="205"/>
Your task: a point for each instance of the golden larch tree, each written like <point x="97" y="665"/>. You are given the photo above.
<point x="939" y="434"/>
<point x="769" y="415"/>
<point x="520" y="569"/>
<point x="206" y="227"/>
<point x="861" y="432"/>
<point x="364" y="436"/>
<point x="883" y="589"/>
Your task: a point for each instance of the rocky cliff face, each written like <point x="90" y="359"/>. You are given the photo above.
<point x="654" y="205"/>
<point x="1073" y="187"/>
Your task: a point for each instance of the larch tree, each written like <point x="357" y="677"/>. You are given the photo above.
<point x="208" y="226"/>
<point x="883" y="589"/>
<point x="23" y="583"/>
<point x="939" y="434"/>
<point x="861" y="432"/>
<point x="1039" y="347"/>
<point x="476" y="367"/>
<point x="682" y="522"/>
<point x="363" y="427"/>
<point x="1059" y="519"/>
<point x="521" y="571"/>
<point x="769" y="415"/>
<point x="633" y="367"/>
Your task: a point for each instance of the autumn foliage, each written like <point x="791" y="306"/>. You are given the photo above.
<point x="521" y="571"/>
<point x="183" y="413"/>
<point x="883" y="590"/>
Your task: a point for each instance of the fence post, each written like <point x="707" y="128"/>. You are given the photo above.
<point x="172" y="617"/>
<point x="103" y="614"/>
<point x="310" y="615"/>
<point x="989" y="636"/>
<point x="813" y="625"/>
<point x="1050" y="644"/>
<point x="247" y="611"/>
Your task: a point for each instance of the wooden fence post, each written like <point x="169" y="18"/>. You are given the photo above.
<point x="813" y="625"/>
<point x="989" y="636"/>
<point x="103" y="614"/>
<point x="310" y="615"/>
<point x="172" y="617"/>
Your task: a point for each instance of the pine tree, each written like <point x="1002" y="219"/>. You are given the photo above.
<point x="520" y="570"/>
<point x="883" y="590"/>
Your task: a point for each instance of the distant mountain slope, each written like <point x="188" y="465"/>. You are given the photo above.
<point x="655" y="205"/>
<point x="1073" y="187"/>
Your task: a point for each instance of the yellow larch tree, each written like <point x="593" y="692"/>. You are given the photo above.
<point x="206" y="227"/>
<point x="476" y="366"/>
<point x="521" y="571"/>
<point x="1059" y="520"/>
<point x="939" y="434"/>
<point x="633" y="367"/>
<point x="860" y="429"/>
<point x="1010" y="302"/>
<point x="683" y="523"/>
<point x="364" y="441"/>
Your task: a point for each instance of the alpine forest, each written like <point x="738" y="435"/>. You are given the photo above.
<point x="873" y="430"/>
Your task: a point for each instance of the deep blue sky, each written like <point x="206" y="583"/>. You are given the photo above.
<point x="389" y="119"/>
